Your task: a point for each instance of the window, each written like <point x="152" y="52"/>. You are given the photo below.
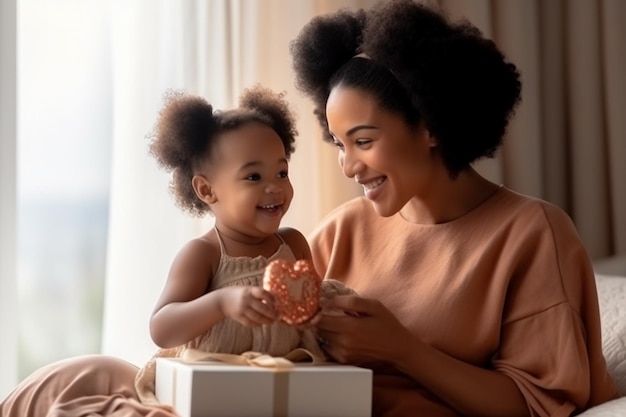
<point x="63" y="144"/>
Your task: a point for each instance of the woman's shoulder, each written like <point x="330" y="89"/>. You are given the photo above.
<point x="524" y="217"/>
<point x="527" y="209"/>
<point x="343" y="219"/>
<point x="352" y="210"/>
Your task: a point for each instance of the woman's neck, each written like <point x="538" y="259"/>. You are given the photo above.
<point x="449" y="199"/>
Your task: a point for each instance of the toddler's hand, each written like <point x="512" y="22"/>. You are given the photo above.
<point x="248" y="305"/>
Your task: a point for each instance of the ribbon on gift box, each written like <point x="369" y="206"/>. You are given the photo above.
<point x="281" y="365"/>
<point x="251" y="358"/>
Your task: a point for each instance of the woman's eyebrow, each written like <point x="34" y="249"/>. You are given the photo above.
<point x="355" y="129"/>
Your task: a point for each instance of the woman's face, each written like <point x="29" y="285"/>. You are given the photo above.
<point x="393" y="161"/>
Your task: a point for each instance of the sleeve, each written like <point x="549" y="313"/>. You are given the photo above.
<point x="545" y="355"/>
<point x="331" y="243"/>
<point x="321" y="248"/>
<point x="550" y="339"/>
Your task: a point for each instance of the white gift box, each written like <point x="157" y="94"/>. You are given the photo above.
<point x="216" y="389"/>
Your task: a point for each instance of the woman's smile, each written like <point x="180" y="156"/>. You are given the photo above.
<point x="374" y="187"/>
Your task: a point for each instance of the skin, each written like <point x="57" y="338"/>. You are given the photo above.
<point x="247" y="187"/>
<point x="402" y="171"/>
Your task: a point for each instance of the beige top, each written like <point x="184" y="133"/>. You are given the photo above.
<point x="508" y="286"/>
<point x="229" y="336"/>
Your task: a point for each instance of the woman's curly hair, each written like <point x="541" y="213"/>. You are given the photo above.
<point x="418" y="64"/>
<point x="188" y="127"/>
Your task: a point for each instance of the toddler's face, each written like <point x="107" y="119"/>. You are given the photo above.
<point x="249" y="176"/>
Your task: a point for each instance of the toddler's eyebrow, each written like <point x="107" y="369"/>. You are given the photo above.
<point x="252" y="164"/>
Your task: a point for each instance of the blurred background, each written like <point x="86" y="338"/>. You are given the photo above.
<point x="64" y="168"/>
<point x="87" y="226"/>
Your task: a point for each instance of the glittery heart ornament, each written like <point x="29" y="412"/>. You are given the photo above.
<point x="296" y="289"/>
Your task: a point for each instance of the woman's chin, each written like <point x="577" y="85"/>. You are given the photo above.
<point x="384" y="210"/>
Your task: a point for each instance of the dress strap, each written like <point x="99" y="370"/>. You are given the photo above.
<point x="219" y="239"/>
<point x="282" y="241"/>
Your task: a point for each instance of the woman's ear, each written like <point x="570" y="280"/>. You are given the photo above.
<point x="424" y="134"/>
<point x="203" y="189"/>
<point x="432" y="140"/>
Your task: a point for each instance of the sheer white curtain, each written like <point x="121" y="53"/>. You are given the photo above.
<point x="152" y="52"/>
<point x="8" y="201"/>
<point x="215" y="49"/>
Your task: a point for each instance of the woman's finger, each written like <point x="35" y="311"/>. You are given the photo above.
<point x="350" y="304"/>
<point x="335" y="324"/>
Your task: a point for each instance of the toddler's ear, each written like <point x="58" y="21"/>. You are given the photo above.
<point x="203" y="189"/>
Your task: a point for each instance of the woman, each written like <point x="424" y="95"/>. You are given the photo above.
<point x="474" y="299"/>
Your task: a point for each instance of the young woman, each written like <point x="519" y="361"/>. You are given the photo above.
<point x="474" y="300"/>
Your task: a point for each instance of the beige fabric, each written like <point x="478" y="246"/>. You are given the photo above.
<point x="261" y="360"/>
<point x="508" y="285"/>
<point x="94" y="386"/>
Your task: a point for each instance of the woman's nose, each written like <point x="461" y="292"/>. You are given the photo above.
<point x="350" y="164"/>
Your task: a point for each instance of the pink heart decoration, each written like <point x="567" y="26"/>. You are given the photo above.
<point x="296" y="289"/>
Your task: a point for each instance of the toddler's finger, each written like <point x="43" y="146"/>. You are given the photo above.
<point x="263" y="295"/>
<point x="267" y="310"/>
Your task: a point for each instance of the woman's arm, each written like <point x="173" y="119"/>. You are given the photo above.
<point x="370" y="334"/>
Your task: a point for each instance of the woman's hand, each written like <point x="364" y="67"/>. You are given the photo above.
<point x="248" y="305"/>
<point x="367" y="333"/>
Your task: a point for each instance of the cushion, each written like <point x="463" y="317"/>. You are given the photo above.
<point x="612" y="297"/>
<point x="615" y="408"/>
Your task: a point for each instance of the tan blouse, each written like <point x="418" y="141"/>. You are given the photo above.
<point x="509" y="286"/>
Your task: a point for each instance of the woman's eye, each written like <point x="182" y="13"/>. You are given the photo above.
<point x="253" y="177"/>
<point x="338" y="144"/>
<point x="363" y="142"/>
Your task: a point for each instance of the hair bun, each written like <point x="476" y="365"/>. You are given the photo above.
<point x="322" y="47"/>
<point x="182" y="126"/>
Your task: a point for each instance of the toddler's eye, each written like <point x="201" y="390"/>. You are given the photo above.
<point x="283" y="174"/>
<point x="253" y="177"/>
